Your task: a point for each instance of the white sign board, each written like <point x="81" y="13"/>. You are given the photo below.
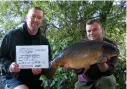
<point x="35" y="56"/>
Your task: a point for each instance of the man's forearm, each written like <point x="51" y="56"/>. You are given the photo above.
<point x="103" y="67"/>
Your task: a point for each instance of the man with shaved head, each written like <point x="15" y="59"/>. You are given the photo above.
<point x="12" y="77"/>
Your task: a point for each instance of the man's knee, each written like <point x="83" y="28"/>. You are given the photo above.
<point x="108" y="79"/>
<point x="106" y="82"/>
<point x="21" y="87"/>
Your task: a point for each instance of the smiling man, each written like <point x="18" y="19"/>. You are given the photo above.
<point x="34" y="20"/>
<point x="98" y="76"/>
<point x="12" y="77"/>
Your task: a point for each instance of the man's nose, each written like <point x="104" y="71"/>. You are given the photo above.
<point x="91" y="32"/>
<point x="35" y="19"/>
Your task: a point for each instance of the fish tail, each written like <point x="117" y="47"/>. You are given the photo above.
<point x="53" y="64"/>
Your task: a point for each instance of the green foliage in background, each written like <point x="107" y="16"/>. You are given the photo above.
<point x="64" y="24"/>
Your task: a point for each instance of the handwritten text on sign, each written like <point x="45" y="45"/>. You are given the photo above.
<point x="32" y="56"/>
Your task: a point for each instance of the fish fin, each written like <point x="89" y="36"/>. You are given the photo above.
<point x="52" y="64"/>
<point x="66" y="66"/>
<point x="100" y="57"/>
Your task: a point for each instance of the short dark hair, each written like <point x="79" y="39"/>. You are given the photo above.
<point x="91" y="21"/>
<point x="38" y="8"/>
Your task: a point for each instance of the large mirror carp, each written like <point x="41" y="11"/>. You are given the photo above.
<point x="84" y="54"/>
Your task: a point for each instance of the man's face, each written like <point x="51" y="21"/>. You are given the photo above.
<point x="94" y="31"/>
<point x="34" y="19"/>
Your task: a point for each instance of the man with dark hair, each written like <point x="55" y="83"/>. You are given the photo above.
<point x="12" y="77"/>
<point x="98" y="76"/>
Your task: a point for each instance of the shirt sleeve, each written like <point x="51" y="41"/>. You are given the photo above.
<point x="4" y="55"/>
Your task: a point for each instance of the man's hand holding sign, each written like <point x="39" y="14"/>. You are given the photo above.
<point x="31" y="57"/>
